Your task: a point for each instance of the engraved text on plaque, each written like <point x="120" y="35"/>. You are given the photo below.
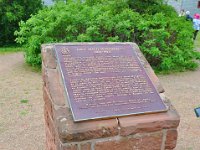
<point x="106" y="80"/>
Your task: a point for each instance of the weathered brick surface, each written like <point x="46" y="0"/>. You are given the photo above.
<point x="55" y="111"/>
<point x="48" y="56"/>
<point x="44" y="78"/>
<point x="49" y="123"/>
<point x="148" y="142"/>
<point x="55" y="87"/>
<point x="88" y="129"/>
<point x="68" y="147"/>
<point x="154" y="79"/>
<point x="50" y="140"/>
<point x="148" y="123"/>
<point x="171" y="139"/>
<point x="85" y="146"/>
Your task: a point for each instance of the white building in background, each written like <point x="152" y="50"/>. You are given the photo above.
<point x="175" y="3"/>
<point x="188" y="5"/>
<point x="48" y="2"/>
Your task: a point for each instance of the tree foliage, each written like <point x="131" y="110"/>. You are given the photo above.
<point x="164" y="38"/>
<point x="13" y="11"/>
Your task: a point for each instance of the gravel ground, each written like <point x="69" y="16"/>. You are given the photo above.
<point x="183" y="89"/>
<point x="21" y="105"/>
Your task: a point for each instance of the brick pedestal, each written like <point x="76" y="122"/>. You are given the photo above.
<point x="138" y="132"/>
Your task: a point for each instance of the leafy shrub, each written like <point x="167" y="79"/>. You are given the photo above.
<point x="167" y="42"/>
<point x="145" y="6"/>
<point x="11" y="12"/>
<point x="76" y="22"/>
<point x="164" y="38"/>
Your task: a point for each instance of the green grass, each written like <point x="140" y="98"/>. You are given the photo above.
<point x="24" y="112"/>
<point x="10" y="49"/>
<point x="24" y="101"/>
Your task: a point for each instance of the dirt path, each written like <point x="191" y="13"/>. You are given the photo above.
<point x="21" y="123"/>
<point x="21" y="105"/>
<point x="183" y="89"/>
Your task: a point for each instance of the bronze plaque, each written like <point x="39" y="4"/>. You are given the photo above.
<point x="105" y="80"/>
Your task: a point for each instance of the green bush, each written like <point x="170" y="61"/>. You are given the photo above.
<point x="167" y="42"/>
<point x="11" y="12"/>
<point x="164" y="38"/>
<point x="145" y="6"/>
<point x="76" y="22"/>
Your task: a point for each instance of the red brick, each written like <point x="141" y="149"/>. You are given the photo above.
<point x="44" y="74"/>
<point x="48" y="102"/>
<point x="148" y="123"/>
<point x="55" y="111"/>
<point x="85" y="146"/>
<point x="154" y="79"/>
<point x="171" y="139"/>
<point x="50" y="140"/>
<point x="48" y="56"/>
<point x="69" y="147"/>
<point x="79" y="131"/>
<point x="55" y="87"/>
<point x="147" y="142"/>
<point x="52" y="136"/>
<point x="49" y="123"/>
